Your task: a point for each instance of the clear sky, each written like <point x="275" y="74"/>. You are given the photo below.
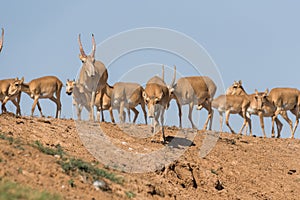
<point x="255" y="41"/>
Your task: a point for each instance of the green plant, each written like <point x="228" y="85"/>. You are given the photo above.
<point x="8" y="138"/>
<point x="20" y="170"/>
<point x="130" y="194"/>
<point x="73" y="164"/>
<point x="12" y="190"/>
<point x="214" y="171"/>
<point x="71" y="183"/>
<point x="49" y="151"/>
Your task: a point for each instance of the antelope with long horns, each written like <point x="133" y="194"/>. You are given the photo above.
<point x="93" y="75"/>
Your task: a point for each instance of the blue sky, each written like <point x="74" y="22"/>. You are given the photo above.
<point x="255" y="41"/>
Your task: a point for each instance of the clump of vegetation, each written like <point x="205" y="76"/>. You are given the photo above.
<point x="49" y="151"/>
<point x="73" y="165"/>
<point x="8" y="138"/>
<point x="214" y="171"/>
<point x="130" y="194"/>
<point x="71" y="183"/>
<point x="12" y="190"/>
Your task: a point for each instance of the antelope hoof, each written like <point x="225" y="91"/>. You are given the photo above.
<point x="199" y="107"/>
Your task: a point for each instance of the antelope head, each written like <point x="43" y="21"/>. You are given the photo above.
<point x="1" y="40"/>
<point x="15" y="87"/>
<point x="235" y="89"/>
<point x="88" y="61"/>
<point x="70" y="84"/>
<point x="261" y="99"/>
<point x="152" y="100"/>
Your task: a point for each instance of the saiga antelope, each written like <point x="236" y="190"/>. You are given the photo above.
<point x="5" y="97"/>
<point x="126" y="95"/>
<point x="231" y="104"/>
<point x="41" y="88"/>
<point x="285" y="99"/>
<point x="1" y="40"/>
<point x="157" y="96"/>
<point x="259" y="105"/>
<point x="195" y="90"/>
<point x="81" y="99"/>
<point x="93" y="75"/>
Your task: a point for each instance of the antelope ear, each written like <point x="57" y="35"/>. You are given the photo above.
<point x="256" y="92"/>
<point x="266" y="92"/>
<point x="82" y="58"/>
<point x="171" y="90"/>
<point x="144" y="95"/>
<point x="68" y="80"/>
<point x="240" y="82"/>
<point x="22" y="80"/>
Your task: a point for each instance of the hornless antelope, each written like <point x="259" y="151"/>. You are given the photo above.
<point x="93" y="75"/>
<point x="5" y="97"/>
<point x="259" y="105"/>
<point x="106" y="104"/>
<point x="40" y="88"/>
<point x="82" y="99"/>
<point x="285" y="99"/>
<point x="157" y="97"/>
<point x="195" y="90"/>
<point x="231" y="104"/>
<point x="1" y="40"/>
<point x="126" y="95"/>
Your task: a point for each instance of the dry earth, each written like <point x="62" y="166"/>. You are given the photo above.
<point x="238" y="167"/>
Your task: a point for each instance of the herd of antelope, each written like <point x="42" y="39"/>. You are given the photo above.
<point x="91" y="90"/>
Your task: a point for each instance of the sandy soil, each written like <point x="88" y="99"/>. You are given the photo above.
<point x="237" y="167"/>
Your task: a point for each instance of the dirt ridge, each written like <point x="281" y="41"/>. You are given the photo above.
<point x="238" y="167"/>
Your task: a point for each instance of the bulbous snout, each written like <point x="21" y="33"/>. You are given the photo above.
<point x="151" y="111"/>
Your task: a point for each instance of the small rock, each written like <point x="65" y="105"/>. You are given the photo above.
<point x="20" y="122"/>
<point x="291" y="171"/>
<point x="219" y="185"/>
<point x="100" y="184"/>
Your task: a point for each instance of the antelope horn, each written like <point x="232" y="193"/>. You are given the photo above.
<point x="1" y="41"/>
<point x="80" y="47"/>
<point x="174" y="76"/>
<point x="94" y="46"/>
